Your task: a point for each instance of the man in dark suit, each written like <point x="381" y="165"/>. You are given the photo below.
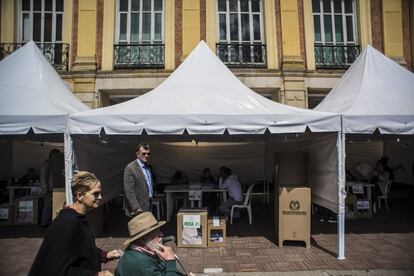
<point x="138" y="183"/>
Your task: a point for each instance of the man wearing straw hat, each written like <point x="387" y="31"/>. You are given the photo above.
<point x="145" y="254"/>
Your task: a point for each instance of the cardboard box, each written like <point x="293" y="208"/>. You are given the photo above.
<point x="294" y="215"/>
<point x="59" y="201"/>
<point x="351" y="207"/>
<point x="192" y="228"/>
<point x="364" y="208"/>
<point x="216" y="232"/>
<point x="26" y="210"/>
<point x="6" y="214"/>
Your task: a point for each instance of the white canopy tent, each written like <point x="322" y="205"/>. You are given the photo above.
<point x="33" y="96"/>
<point x="201" y="99"/>
<point x="375" y="93"/>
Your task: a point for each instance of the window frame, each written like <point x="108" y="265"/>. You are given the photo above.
<point x="332" y="13"/>
<point x="127" y="41"/>
<point x="42" y="23"/>
<point x="239" y="13"/>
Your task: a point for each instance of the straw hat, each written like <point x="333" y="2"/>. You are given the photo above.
<point x="141" y="225"/>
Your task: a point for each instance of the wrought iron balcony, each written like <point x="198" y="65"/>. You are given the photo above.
<point x="242" y="55"/>
<point x="335" y="57"/>
<point x="56" y="53"/>
<point x="138" y="56"/>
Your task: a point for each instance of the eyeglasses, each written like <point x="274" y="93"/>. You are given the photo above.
<point x="146" y="153"/>
<point x="95" y="194"/>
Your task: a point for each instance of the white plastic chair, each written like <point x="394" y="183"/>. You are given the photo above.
<point x="384" y="196"/>
<point x="246" y="205"/>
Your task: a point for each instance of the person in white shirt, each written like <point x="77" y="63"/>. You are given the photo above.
<point x="235" y="193"/>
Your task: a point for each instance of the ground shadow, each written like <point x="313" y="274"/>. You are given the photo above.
<point x="398" y="220"/>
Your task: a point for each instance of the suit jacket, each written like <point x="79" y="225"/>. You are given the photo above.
<point x="135" y="189"/>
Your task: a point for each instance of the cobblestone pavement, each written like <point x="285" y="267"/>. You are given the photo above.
<point x="384" y="242"/>
<point x="255" y="254"/>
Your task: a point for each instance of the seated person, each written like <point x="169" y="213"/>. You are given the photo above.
<point x="209" y="199"/>
<point x="145" y="254"/>
<point x="207" y="177"/>
<point x="30" y="177"/>
<point x="231" y="183"/>
<point x="220" y="175"/>
<point x="382" y="177"/>
<point x="383" y="164"/>
<point x="179" y="178"/>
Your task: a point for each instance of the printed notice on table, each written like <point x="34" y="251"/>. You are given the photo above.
<point x="216" y="221"/>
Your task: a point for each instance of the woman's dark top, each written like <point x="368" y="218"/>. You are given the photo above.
<point x="68" y="247"/>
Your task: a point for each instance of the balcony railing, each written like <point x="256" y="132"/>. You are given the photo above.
<point x="56" y="53"/>
<point x="129" y="56"/>
<point x="335" y="57"/>
<point x="242" y="55"/>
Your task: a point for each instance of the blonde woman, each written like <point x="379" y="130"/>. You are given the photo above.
<point x="68" y="247"/>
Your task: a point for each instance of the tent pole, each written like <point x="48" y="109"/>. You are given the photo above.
<point x="68" y="143"/>
<point x="341" y="195"/>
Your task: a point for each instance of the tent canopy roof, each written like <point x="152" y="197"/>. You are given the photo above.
<point x="201" y="96"/>
<point x="375" y="93"/>
<point x="32" y="94"/>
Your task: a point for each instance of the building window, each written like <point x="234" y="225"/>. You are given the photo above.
<point x="240" y="33"/>
<point x="336" y="40"/>
<point x="140" y="34"/>
<point x="315" y="97"/>
<point x="42" y="22"/>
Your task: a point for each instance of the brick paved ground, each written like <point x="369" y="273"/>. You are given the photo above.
<point x="383" y="242"/>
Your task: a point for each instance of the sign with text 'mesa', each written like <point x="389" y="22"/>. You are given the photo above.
<point x="191" y="221"/>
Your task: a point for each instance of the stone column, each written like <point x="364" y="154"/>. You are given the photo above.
<point x="293" y="63"/>
<point x="84" y="49"/>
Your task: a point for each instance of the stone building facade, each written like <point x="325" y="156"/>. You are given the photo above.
<point x="291" y="51"/>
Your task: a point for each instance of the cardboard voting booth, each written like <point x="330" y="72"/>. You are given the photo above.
<point x="216" y="232"/>
<point x="294" y="215"/>
<point x="192" y="228"/>
<point x="26" y="210"/>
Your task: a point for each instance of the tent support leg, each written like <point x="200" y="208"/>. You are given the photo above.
<point x="341" y="195"/>
<point x="68" y="167"/>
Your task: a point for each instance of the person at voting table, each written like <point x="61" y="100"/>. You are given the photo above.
<point x="145" y="254"/>
<point x="68" y="247"/>
<point x="230" y="183"/>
